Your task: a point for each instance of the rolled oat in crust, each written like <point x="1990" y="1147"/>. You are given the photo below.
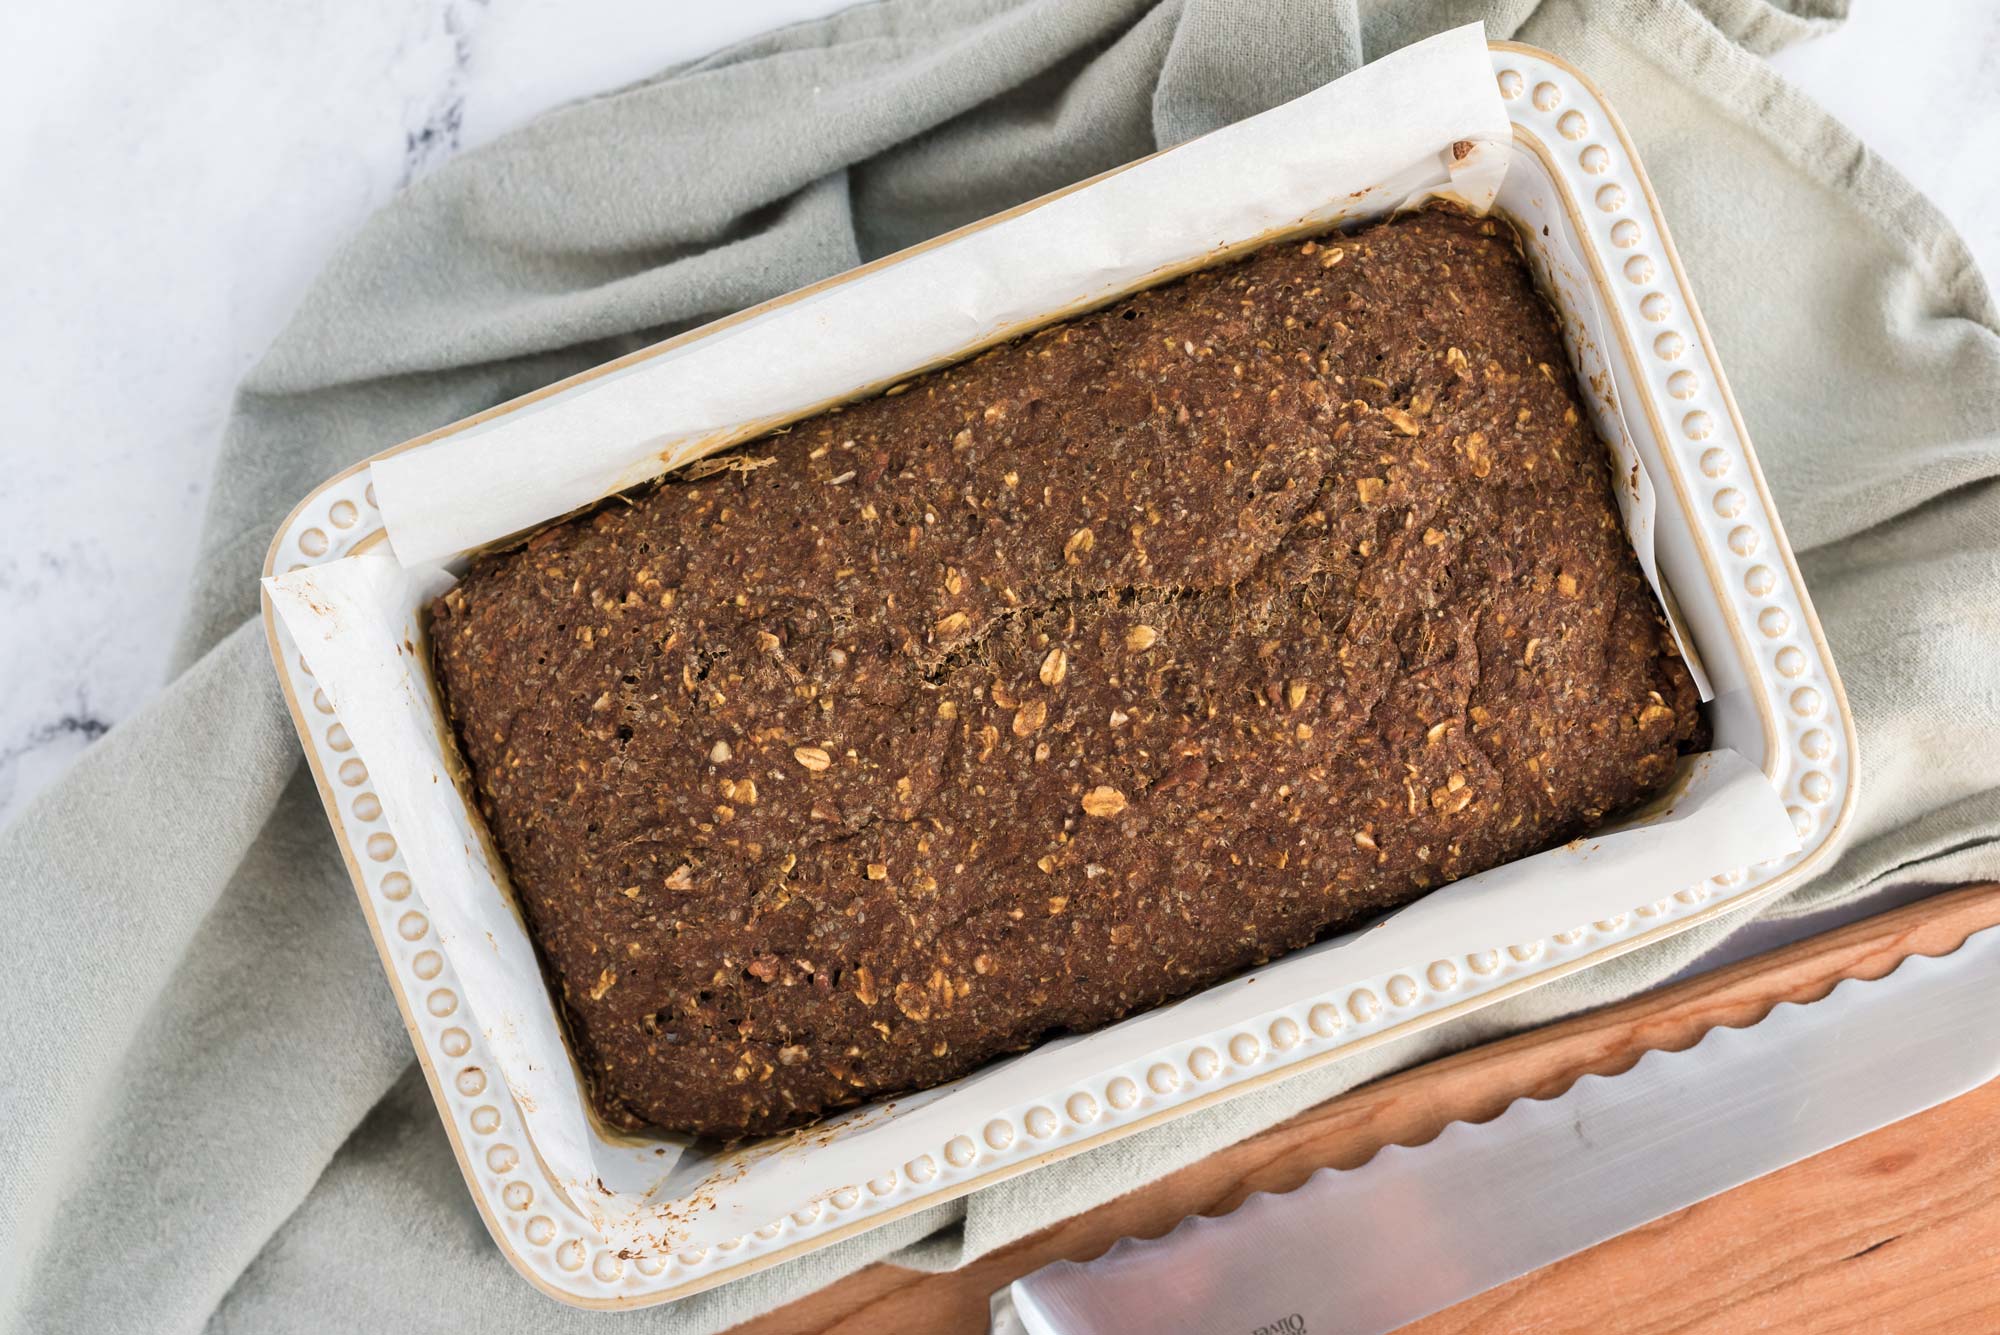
<point x="1063" y="682"/>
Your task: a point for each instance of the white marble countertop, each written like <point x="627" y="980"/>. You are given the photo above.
<point x="175" y="178"/>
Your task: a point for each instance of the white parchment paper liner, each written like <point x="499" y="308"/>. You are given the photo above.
<point x="1371" y="143"/>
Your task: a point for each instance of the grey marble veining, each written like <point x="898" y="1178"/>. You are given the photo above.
<point x="174" y="179"/>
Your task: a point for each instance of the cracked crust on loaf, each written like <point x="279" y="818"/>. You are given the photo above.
<point x="1063" y="682"/>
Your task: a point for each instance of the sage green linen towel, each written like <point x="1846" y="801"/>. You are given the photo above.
<point x="209" y="1113"/>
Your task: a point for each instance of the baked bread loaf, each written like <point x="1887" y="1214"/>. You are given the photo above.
<point x="1051" y="686"/>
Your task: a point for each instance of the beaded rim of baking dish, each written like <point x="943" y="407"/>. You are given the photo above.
<point x="1559" y="115"/>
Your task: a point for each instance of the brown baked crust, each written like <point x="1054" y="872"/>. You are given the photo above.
<point x="1064" y="681"/>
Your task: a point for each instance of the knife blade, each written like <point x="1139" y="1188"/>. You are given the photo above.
<point x="1417" y="1229"/>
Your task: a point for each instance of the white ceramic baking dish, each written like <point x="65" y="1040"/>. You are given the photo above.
<point x="1722" y="553"/>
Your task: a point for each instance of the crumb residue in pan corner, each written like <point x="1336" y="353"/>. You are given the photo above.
<point x="522" y="1097"/>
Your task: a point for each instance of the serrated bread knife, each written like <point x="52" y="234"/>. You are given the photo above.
<point x="1415" y="1230"/>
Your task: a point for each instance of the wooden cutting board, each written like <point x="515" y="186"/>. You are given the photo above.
<point x="1897" y="1231"/>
